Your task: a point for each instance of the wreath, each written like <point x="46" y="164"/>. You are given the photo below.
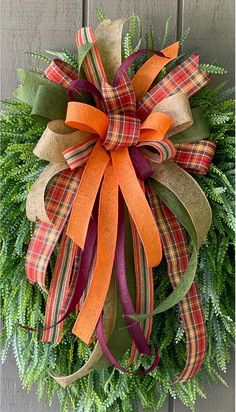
<point x="118" y="288"/>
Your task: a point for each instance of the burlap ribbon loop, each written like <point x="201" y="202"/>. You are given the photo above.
<point x="56" y="138"/>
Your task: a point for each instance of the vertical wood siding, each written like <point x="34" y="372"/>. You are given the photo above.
<point x="51" y="24"/>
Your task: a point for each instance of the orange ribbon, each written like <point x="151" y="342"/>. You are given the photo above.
<point x="147" y="73"/>
<point x="107" y="234"/>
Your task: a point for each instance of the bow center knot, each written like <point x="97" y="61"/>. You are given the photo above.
<point x="123" y="130"/>
<point x="120" y="103"/>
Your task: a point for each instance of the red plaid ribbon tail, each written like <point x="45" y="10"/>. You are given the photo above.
<point x="144" y="289"/>
<point x="175" y="247"/>
<point x="64" y="276"/>
<point x="58" y="203"/>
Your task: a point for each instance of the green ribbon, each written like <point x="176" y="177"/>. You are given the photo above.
<point x="47" y="99"/>
<point x="184" y="197"/>
<point x="183" y="287"/>
<point x="198" y="131"/>
<point x="83" y="50"/>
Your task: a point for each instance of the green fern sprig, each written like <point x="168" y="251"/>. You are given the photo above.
<point x="100" y="15"/>
<point x="39" y="56"/>
<point x="212" y="68"/>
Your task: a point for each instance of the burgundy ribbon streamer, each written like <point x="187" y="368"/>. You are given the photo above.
<point x="112" y="359"/>
<point x="120" y="272"/>
<point x="126" y="303"/>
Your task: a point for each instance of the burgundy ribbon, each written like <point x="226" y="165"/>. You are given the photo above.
<point x="142" y="168"/>
<point x="87" y="86"/>
<point x="125" y="299"/>
<point x="106" y="351"/>
<point x="126" y="303"/>
<point x="129" y="60"/>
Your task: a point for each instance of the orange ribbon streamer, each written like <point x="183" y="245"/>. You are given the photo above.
<point x="138" y="206"/>
<point x="145" y="76"/>
<point x="86" y="194"/>
<point x="107" y="234"/>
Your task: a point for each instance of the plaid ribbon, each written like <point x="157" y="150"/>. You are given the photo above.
<point x="60" y="291"/>
<point x="61" y="73"/>
<point x="92" y="63"/>
<point x="184" y="78"/>
<point x="77" y="156"/>
<point x="58" y="204"/>
<point x="119" y="99"/>
<point x="164" y="148"/>
<point x="120" y="102"/>
<point x="175" y="246"/>
<point x="144" y="289"/>
<point x="122" y="131"/>
<point x="195" y="157"/>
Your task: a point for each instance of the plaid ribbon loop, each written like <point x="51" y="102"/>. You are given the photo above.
<point x="120" y="102"/>
<point x="61" y="73"/>
<point x="120" y="127"/>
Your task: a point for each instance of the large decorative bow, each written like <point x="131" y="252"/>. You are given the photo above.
<point x="131" y="135"/>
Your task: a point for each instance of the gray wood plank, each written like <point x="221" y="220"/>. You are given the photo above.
<point x="219" y="398"/>
<point x="152" y="13"/>
<point x="14" y="398"/>
<point x="212" y="29"/>
<point x="32" y="25"/>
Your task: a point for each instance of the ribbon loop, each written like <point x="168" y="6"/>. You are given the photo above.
<point x="120" y="98"/>
<point x="122" y="131"/>
<point x="61" y="73"/>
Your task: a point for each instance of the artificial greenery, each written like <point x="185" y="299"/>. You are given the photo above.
<point x="22" y="303"/>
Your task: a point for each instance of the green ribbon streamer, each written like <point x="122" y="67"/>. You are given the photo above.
<point x="183" y="287"/>
<point x="47" y="99"/>
<point x="198" y="131"/>
<point x="83" y="50"/>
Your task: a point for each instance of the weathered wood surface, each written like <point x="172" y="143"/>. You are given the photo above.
<point x="212" y="30"/>
<point x="32" y="25"/>
<point x="39" y="25"/>
<point x="151" y="12"/>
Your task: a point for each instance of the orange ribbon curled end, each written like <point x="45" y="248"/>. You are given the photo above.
<point x="107" y="235"/>
<point x="145" y="76"/>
